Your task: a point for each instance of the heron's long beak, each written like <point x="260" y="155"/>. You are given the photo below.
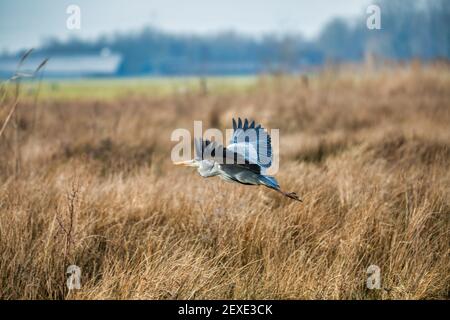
<point x="188" y="163"/>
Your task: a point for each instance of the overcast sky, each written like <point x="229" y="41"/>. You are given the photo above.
<point x="25" y="23"/>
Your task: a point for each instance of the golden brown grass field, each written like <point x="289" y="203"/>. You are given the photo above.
<point x="89" y="181"/>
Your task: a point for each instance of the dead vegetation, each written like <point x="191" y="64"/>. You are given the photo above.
<point x="368" y="152"/>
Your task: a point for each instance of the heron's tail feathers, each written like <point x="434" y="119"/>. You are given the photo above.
<point x="272" y="183"/>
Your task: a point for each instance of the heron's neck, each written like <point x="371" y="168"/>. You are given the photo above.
<point x="208" y="168"/>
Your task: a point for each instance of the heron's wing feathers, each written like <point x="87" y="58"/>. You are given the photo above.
<point x="251" y="141"/>
<point x="211" y="150"/>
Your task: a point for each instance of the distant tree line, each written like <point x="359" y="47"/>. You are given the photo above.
<point x="409" y="29"/>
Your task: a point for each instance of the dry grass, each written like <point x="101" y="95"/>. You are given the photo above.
<point x="368" y="152"/>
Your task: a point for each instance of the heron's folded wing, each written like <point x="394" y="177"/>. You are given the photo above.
<point x="210" y="150"/>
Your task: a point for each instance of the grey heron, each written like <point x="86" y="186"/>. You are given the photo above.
<point x="245" y="160"/>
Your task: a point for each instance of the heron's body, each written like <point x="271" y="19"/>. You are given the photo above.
<point x="244" y="161"/>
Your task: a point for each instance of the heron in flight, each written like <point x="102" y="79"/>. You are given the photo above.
<point x="245" y="160"/>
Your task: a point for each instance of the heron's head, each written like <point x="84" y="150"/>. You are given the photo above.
<point x="188" y="163"/>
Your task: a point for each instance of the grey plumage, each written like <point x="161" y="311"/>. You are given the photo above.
<point x="244" y="160"/>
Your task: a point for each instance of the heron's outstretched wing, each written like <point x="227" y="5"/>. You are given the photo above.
<point x="211" y="150"/>
<point x="251" y="141"/>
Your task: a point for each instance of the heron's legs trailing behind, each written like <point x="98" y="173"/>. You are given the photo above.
<point x="272" y="183"/>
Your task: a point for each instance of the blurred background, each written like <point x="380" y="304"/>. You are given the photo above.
<point x="120" y="38"/>
<point x="86" y="176"/>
